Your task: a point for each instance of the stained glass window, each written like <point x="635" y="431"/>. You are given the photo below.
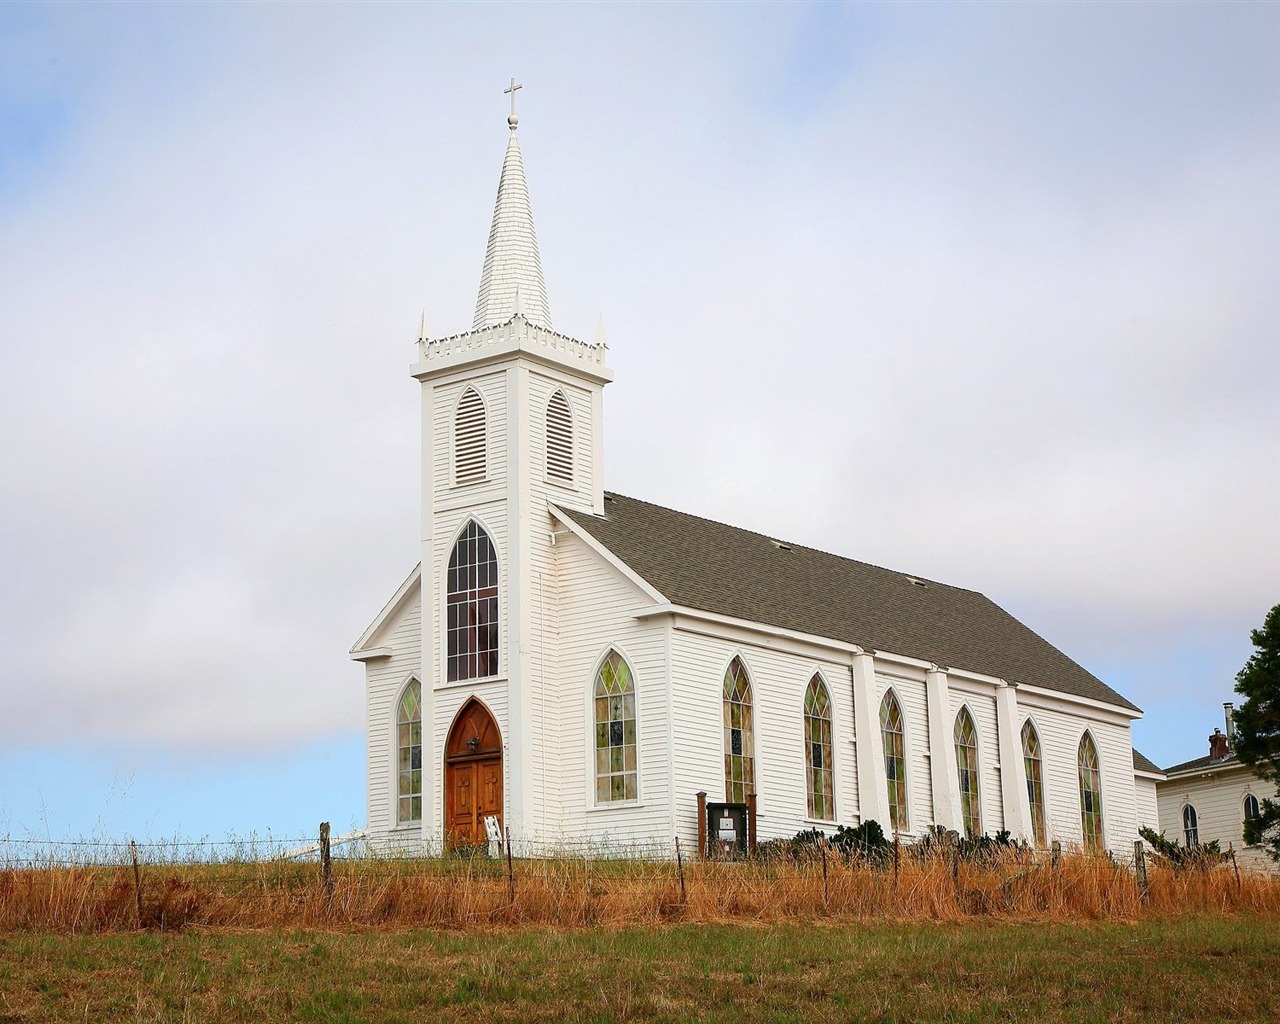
<point x="1035" y="780"/>
<point x="615" y="721"/>
<point x="818" y="751"/>
<point x="739" y="735"/>
<point x="409" y="753"/>
<point x="1090" y="792"/>
<point x="472" y="606"/>
<point x="895" y="760"/>
<point x="966" y="738"/>
<point x="1190" y="826"/>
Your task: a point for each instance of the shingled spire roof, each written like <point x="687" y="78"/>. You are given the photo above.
<point x="512" y="278"/>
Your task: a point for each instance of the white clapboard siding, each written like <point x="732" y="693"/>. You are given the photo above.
<point x="385" y="679"/>
<point x="1146" y="803"/>
<point x="1061" y="726"/>
<point x="597" y="613"/>
<point x="1218" y="797"/>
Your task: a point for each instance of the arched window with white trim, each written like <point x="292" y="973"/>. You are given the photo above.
<point x="818" y="751"/>
<point x="1090" y="792"/>
<point x="739" y="734"/>
<point x="559" y="440"/>
<point x="1252" y="809"/>
<point x="893" y="736"/>
<point x="966" y="738"/>
<point x="470" y="455"/>
<point x="409" y="754"/>
<point x="1031" y="762"/>
<point x="1190" y="827"/>
<point x="615" y="733"/>
<point x="472" y="606"/>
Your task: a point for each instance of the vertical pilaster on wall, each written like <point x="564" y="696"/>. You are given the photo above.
<point x="519" y="768"/>
<point x="597" y="450"/>
<point x="942" y="761"/>
<point x="1013" y="772"/>
<point x="873" y="791"/>
<point x="432" y="783"/>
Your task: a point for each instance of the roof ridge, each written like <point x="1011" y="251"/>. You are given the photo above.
<point x="805" y="547"/>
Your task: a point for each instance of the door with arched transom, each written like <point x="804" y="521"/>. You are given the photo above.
<point x="472" y="775"/>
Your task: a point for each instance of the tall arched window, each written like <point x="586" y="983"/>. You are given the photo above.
<point x="472" y="606"/>
<point x="818" y="751"/>
<point x="1190" y="826"/>
<point x="409" y="753"/>
<point x="1251" y="808"/>
<point x="966" y="737"/>
<point x="470" y="461"/>
<point x="1035" y="780"/>
<point x="559" y="440"/>
<point x="1090" y="792"/>
<point x="615" y="707"/>
<point x="895" y="760"/>
<point x="739" y="735"/>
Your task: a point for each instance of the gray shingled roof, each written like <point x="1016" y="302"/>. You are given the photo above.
<point x="716" y="568"/>
<point x="1142" y="763"/>
<point x="1204" y="762"/>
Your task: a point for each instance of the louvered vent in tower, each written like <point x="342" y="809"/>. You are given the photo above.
<point x="469" y="463"/>
<point x="559" y="440"/>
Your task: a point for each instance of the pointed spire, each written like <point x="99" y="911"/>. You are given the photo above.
<point x="601" y="339"/>
<point x="512" y="281"/>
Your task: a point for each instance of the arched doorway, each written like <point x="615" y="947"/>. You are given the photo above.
<point x="472" y="775"/>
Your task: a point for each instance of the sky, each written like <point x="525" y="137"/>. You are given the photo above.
<point x="989" y="294"/>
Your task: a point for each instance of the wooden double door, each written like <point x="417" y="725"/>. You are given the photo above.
<point x="472" y="775"/>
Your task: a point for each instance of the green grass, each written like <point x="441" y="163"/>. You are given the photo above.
<point x="1191" y="968"/>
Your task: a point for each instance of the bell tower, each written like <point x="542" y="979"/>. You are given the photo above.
<point x="511" y="424"/>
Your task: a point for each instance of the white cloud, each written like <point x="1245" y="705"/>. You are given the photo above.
<point x="988" y="295"/>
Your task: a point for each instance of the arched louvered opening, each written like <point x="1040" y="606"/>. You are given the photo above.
<point x="470" y="458"/>
<point x="409" y="753"/>
<point x="893" y="735"/>
<point x="818" y="751"/>
<point x="1090" y="792"/>
<point x="966" y="737"/>
<point x="1035" y="780"/>
<point x="559" y="440"/>
<point x="1190" y="826"/>
<point x="615" y="718"/>
<point x="472" y="606"/>
<point x="739" y="735"/>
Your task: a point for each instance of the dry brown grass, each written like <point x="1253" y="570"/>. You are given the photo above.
<point x="464" y="893"/>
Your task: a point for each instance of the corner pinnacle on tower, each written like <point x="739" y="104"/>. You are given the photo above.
<point x="512" y="275"/>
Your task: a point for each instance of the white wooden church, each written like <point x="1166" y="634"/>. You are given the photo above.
<point x="579" y="665"/>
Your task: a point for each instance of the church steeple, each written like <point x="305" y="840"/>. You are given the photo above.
<point x="511" y="281"/>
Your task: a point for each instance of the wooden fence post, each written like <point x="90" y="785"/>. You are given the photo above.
<point x="826" y="892"/>
<point x="684" y="898"/>
<point x="751" y="824"/>
<point x="1231" y="852"/>
<point x="1055" y="854"/>
<point x="702" y="824"/>
<point x="897" y="856"/>
<point x="137" y="883"/>
<point x="1140" y="866"/>
<point x="511" y="876"/>
<point x="326" y="866"/>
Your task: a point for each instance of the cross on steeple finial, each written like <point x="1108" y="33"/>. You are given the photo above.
<point x="512" y="121"/>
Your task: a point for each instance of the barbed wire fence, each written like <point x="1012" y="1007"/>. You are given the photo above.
<point x="356" y="879"/>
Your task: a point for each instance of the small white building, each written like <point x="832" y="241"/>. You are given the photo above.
<point x="1209" y="799"/>
<point x="579" y="664"/>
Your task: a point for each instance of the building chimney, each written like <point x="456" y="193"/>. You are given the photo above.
<point x="1230" y="710"/>
<point x="1218" y="748"/>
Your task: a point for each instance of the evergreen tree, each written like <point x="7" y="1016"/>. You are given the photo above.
<point x="1257" y="741"/>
